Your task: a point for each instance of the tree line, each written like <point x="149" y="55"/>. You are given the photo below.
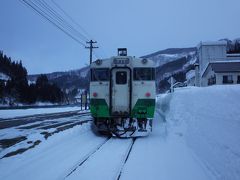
<point x="16" y="88"/>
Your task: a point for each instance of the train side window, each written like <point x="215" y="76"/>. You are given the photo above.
<point x="146" y="74"/>
<point x="100" y="74"/>
<point x="121" y="77"/>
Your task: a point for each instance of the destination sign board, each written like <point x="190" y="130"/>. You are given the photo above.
<point x="121" y="61"/>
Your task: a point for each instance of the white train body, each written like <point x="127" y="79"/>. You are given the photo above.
<point x="122" y="95"/>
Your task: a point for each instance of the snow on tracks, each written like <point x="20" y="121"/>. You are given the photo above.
<point x="20" y="138"/>
<point x="54" y="158"/>
<point x="18" y="121"/>
<point x="105" y="163"/>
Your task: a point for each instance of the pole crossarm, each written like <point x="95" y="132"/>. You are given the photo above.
<point x="91" y="47"/>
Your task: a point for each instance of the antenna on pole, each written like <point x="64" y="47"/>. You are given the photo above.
<point x="91" y="47"/>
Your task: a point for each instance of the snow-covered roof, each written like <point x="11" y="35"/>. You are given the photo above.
<point x="233" y="55"/>
<point x="224" y="66"/>
<point x="212" y="43"/>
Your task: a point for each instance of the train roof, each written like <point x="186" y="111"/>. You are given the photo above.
<point x="122" y="61"/>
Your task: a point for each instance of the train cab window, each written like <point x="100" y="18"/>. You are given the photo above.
<point x="146" y="74"/>
<point x="100" y="74"/>
<point x="121" y="77"/>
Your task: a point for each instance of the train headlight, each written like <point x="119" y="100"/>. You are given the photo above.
<point x="95" y="94"/>
<point x="148" y="94"/>
<point x="144" y="61"/>
<point x="99" y="62"/>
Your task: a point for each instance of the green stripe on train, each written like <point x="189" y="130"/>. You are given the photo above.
<point x="144" y="108"/>
<point x="99" y="108"/>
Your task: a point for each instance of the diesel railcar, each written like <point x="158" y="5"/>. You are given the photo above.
<point x="122" y="95"/>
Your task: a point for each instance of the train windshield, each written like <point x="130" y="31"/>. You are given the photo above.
<point x="146" y="74"/>
<point x="100" y="74"/>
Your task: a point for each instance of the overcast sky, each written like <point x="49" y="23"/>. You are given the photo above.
<point x="143" y="26"/>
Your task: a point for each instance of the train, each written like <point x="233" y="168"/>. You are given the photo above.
<point x="122" y="95"/>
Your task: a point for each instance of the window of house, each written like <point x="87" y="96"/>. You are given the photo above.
<point x="212" y="80"/>
<point x="238" y="79"/>
<point x="227" y="79"/>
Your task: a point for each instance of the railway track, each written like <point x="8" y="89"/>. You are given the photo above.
<point x="83" y="160"/>
<point x="126" y="158"/>
<point x="42" y="125"/>
<point x="18" y="121"/>
<point x="98" y="158"/>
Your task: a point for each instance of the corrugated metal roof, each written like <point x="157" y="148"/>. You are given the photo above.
<point x="225" y="66"/>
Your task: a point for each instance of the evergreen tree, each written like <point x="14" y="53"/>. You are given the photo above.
<point x="17" y="88"/>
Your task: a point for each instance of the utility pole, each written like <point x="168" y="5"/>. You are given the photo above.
<point x="91" y="47"/>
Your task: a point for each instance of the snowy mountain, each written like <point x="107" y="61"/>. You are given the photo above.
<point x="172" y="54"/>
<point x="71" y="82"/>
<point x="55" y="75"/>
<point x="173" y="61"/>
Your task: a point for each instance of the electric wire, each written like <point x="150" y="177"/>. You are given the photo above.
<point x="49" y="19"/>
<point x="77" y="24"/>
<point x="88" y="36"/>
<point x="56" y="15"/>
<point x="48" y="13"/>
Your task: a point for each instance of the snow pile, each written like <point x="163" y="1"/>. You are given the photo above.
<point x="210" y="123"/>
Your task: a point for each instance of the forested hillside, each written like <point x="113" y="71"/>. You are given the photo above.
<point x="15" y="89"/>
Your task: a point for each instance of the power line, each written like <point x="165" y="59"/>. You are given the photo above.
<point x="48" y="13"/>
<point x="87" y="34"/>
<point x="51" y="13"/>
<point x="34" y="7"/>
<point x="66" y="14"/>
<point x="55" y="14"/>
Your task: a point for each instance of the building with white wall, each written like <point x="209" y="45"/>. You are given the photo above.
<point x="225" y="72"/>
<point x="216" y="66"/>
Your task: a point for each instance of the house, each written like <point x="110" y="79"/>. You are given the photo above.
<point x="216" y="66"/>
<point x="221" y="72"/>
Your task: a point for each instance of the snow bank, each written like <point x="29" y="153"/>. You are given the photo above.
<point x="211" y="117"/>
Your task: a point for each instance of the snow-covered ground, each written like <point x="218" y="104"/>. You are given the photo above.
<point x="33" y="111"/>
<point x="195" y="136"/>
<point x="52" y="159"/>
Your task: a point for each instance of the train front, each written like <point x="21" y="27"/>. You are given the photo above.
<point x="122" y="95"/>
